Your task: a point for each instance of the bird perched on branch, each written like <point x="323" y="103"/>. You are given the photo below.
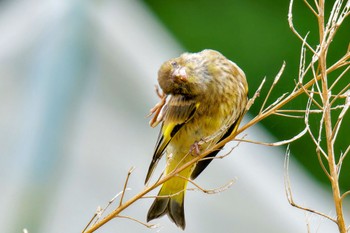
<point x="204" y="100"/>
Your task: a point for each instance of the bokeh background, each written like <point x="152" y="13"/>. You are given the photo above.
<point x="77" y="80"/>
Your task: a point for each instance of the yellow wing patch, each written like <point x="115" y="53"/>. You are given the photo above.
<point x="177" y="112"/>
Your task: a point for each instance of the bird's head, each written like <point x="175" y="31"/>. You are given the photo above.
<point x="186" y="75"/>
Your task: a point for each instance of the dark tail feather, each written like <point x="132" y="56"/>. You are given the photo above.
<point x="176" y="212"/>
<point x="170" y="206"/>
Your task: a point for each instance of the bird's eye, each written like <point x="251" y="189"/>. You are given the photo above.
<point x="174" y="64"/>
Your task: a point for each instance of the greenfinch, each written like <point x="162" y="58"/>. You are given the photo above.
<point x="205" y="95"/>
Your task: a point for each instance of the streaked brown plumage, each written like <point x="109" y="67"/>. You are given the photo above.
<point x="206" y="95"/>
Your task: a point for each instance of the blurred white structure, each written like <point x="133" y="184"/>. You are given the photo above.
<point x="76" y="81"/>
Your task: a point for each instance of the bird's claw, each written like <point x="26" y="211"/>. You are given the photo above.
<point x="157" y="108"/>
<point x="195" y="149"/>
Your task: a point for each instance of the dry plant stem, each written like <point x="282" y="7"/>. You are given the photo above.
<point x="291" y="26"/>
<point x="345" y="194"/>
<point x="100" y="211"/>
<point x="319" y="71"/>
<point x="310" y="7"/>
<point x="333" y="172"/>
<point x="138" y="221"/>
<point x="279" y="143"/>
<point x="342" y="157"/>
<point x="283" y="102"/>
<point x="275" y="81"/>
<point x="289" y="194"/>
<point x="91" y="220"/>
<point x="125" y="205"/>
<point x="125" y="185"/>
<point x="339" y="121"/>
<point x="210" y="191"/>
<point x="339" y="77"/>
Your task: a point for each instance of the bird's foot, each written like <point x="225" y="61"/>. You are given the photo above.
<point x="195" y="149"/>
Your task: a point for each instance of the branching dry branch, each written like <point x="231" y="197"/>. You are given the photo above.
<point x="279" y="143"/>
<point x="152" y="226"/>
<point x="289" y="193"/>
<point x="327" y="131"/>
<point x="209" y="191"/>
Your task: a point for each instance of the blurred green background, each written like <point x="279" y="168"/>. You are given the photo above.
<point x="255" y="34"/>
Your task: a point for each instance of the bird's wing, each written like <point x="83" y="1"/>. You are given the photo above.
<point x="202" y="164"/>
<point x="176" y="113"/>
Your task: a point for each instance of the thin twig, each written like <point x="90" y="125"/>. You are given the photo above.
<point x="288" y="115"/>
<point x="302" y="70"/>
<point x="99" y="212"/>
<point x="151" y="226"/>
<point x="291" y="25"/>
<point x="320" y="160"/>
<point x="288" y="190"/>
<point x="316" y="111"/>
<point x="280" y="143"/>
<point x="161" y="196"/>
<point x="345" y="194"/>
<point x="210" y="191"/>
<point x="340" y="117"/>
<point x="310" y="7"/>
<point x="306" y="119"/>
<point x="275" y="81"/>
<point x="341" y="93"/>
<point x="92" y="219"/>
<point x="276" y="101"/>
<point x="316" y="77"/>
<point x="256" y="95"/>
<point x="342" y="157"/>
<point x="339" y="77"/>
<point x="125" y="185"/>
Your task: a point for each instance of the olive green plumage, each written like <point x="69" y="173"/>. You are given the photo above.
<point x="206" y="97"/>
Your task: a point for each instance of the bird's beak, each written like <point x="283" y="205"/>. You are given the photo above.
<point x="179" y="75"/>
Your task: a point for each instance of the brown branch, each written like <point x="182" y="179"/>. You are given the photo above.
<point x="291" y="26"/>
<point x="125" y="185"/>
<point x="280" y="143"/>
<point x="333" y="171"/>
<point x="209" y="191"/>
<point x="342" y="157"/>
<point x="310" y="7"/>
<point x="275" y="81"/>
<point x="345" y="194"/>
<point x="152" y="226"/>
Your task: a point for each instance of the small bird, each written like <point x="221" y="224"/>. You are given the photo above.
<point x="204" y="100"/>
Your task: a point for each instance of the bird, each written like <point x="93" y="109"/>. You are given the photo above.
<point x="204" y="99"/>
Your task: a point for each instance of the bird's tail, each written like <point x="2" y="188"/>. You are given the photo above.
<point x="170" y="201"/>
